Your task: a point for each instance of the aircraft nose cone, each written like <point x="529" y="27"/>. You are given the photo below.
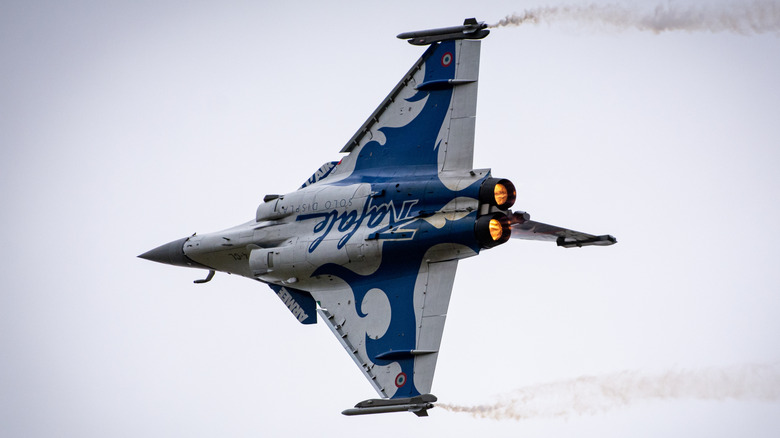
<point x="172" y="253"/>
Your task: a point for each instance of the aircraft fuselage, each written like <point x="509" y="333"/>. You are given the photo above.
<point x="345" y="224"/>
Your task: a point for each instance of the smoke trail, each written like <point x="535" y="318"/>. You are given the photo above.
<point x="760" y="16"/>
<point x="589" y="395"/>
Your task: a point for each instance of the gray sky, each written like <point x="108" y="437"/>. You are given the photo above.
<point x="127" y="126"/>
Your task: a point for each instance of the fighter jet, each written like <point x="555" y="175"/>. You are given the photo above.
<point x="369" y="244"/>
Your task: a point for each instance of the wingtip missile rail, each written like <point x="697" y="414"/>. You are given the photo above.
<point x="471" y="29"/>
<point x="418" y="405"/>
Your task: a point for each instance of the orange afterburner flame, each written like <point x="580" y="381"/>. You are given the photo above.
<point x="500" y="192"/>
<point x="497" y="193"/>
<point x="492" y="229"/>
<point x="496" y="230"/>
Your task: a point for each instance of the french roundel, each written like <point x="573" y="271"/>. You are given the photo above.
<point x="446" y="59"/>
<point x="400" y="380"/>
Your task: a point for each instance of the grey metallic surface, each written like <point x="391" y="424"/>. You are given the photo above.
<point x="171" y="253"/>
<point x="470" y="25"/>
<point x="425" y="40"/>
<point x="418" y="405"/>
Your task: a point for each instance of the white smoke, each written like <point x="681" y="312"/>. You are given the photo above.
<point x="749" y="17"/>
<point x="589" y="395"/>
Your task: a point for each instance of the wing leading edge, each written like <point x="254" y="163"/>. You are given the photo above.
<point x="426" y="123"/>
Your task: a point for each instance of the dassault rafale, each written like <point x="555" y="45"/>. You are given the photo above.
<point x="369" y="244"/>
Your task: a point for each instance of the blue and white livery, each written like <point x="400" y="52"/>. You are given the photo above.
<point x="369" y="245"/>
